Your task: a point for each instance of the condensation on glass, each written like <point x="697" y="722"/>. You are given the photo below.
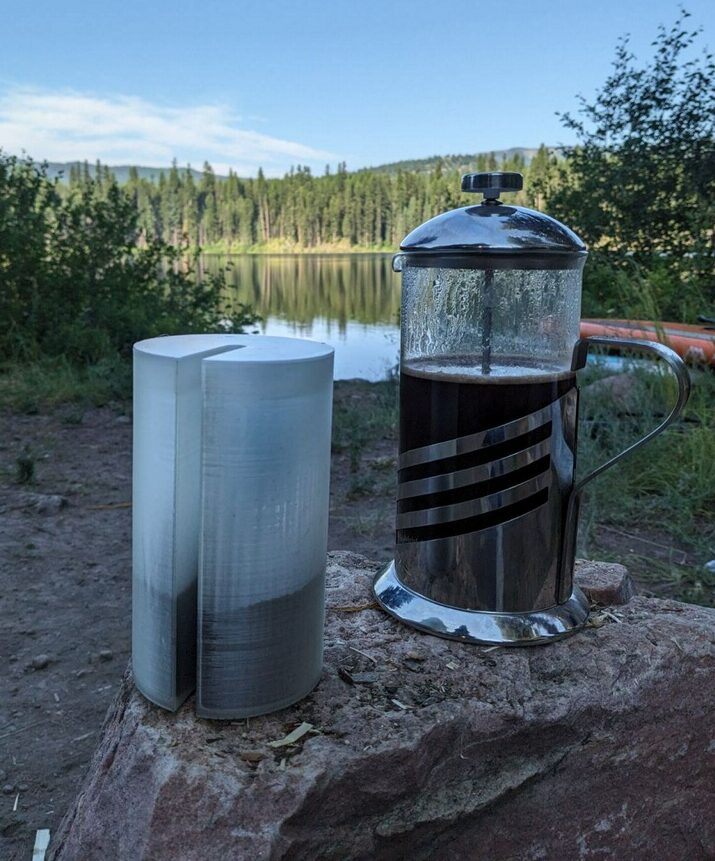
<point x="491" y="323"/>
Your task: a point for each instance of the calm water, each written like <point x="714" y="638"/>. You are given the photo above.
<point x="350" y="301"/>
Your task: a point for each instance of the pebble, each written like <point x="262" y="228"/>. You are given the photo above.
<point x="39" y="662"/>
<point x="106" y="655"/>
<point x="254" y="756"/>
<point x="46" y="503"/>
<point x="8" y="789"/>
<point x="122" y="420"/>
<point x="22" y="787"/>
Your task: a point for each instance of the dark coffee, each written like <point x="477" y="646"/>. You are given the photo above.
<point x="442" y="400"/>
<point x="448" y="400"/>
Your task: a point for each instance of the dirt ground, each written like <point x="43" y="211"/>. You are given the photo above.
<point x="65" y="585"/>
<point x="65" y="593"/>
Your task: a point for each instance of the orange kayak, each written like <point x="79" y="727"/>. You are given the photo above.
<point x="691" y="343"/>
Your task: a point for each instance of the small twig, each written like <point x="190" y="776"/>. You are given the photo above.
<point x="364" y="654"/>
<point x="680" y="648"/>
<point x="358" y="608"/>
<point x="83" y="737"/>
<point x="109" y="505"/>
<point x="20" y="729"/>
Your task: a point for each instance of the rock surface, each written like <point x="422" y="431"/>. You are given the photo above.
<point x="605" y="583"/>
<point x="42" y="503"/>
<point x="624" y="391"/>
<point x="598" y="746"/>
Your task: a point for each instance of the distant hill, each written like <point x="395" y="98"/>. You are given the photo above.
<point x="419" y="165"/>
<point x="458" y="162"/>
<point x="120" y="171"/>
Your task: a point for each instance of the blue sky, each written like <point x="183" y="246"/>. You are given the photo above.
<point x="247" y="84"/>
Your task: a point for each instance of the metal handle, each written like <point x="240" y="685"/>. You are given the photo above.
<point x="677" y="366"/>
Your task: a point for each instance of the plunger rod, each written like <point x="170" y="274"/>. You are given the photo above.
<point x="487" y="321"/>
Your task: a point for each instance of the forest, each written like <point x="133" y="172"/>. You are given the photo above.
<point x="340" y="210"/>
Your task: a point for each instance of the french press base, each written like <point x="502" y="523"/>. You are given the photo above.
<point x="479" y="626"/>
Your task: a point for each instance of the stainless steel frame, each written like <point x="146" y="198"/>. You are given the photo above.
<point x="510" y="583"/>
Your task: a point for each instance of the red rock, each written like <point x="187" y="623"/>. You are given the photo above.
<point x="595" y="746"/>
<point x="624" y="393"/>
<point x="605" y="583"/>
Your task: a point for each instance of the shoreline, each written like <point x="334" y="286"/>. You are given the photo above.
<point x="322" y="250"/>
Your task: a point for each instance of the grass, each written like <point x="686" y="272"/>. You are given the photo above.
<point x="664" y="491"/>
<point x="37" y="385"/>
<point x="362" y="413"/>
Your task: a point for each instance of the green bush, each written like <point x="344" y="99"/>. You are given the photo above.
<point x="658" y="288"/>
<point x="639" y="187"/>
<point x="80" y="280"/>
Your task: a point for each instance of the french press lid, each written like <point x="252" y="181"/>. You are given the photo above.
<point x="492" y="234"/>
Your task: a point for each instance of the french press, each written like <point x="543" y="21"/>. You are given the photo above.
<point x="487" y="504"/>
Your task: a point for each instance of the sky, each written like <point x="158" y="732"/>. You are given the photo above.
<point x="247" y="84"/>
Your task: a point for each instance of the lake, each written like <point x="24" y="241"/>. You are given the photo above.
<point x="350" y="301"/>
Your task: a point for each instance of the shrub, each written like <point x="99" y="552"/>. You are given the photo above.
<point x="79" y="280"/>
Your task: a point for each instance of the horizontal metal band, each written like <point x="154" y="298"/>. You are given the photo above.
<point x="494" y="258"/>
<point x="483" y="472"/>
<point x="474" y="441"/>
<point x="473" y="507"/>
<point x="472" y="525"/>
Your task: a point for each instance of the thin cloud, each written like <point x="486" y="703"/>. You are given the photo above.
<point x="65" y="125"/>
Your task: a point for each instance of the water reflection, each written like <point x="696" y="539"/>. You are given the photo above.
<point x="350" y="301"/>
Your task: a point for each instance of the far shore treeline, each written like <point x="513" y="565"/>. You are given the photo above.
<point x="368" y="210"/>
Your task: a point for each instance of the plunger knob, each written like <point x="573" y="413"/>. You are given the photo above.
<point x="492" y="183"/>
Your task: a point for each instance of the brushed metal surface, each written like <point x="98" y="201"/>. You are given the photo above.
<point x="165" y="511"/>
<point x="234" y="467"/>
<point x="264" y="512"/>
